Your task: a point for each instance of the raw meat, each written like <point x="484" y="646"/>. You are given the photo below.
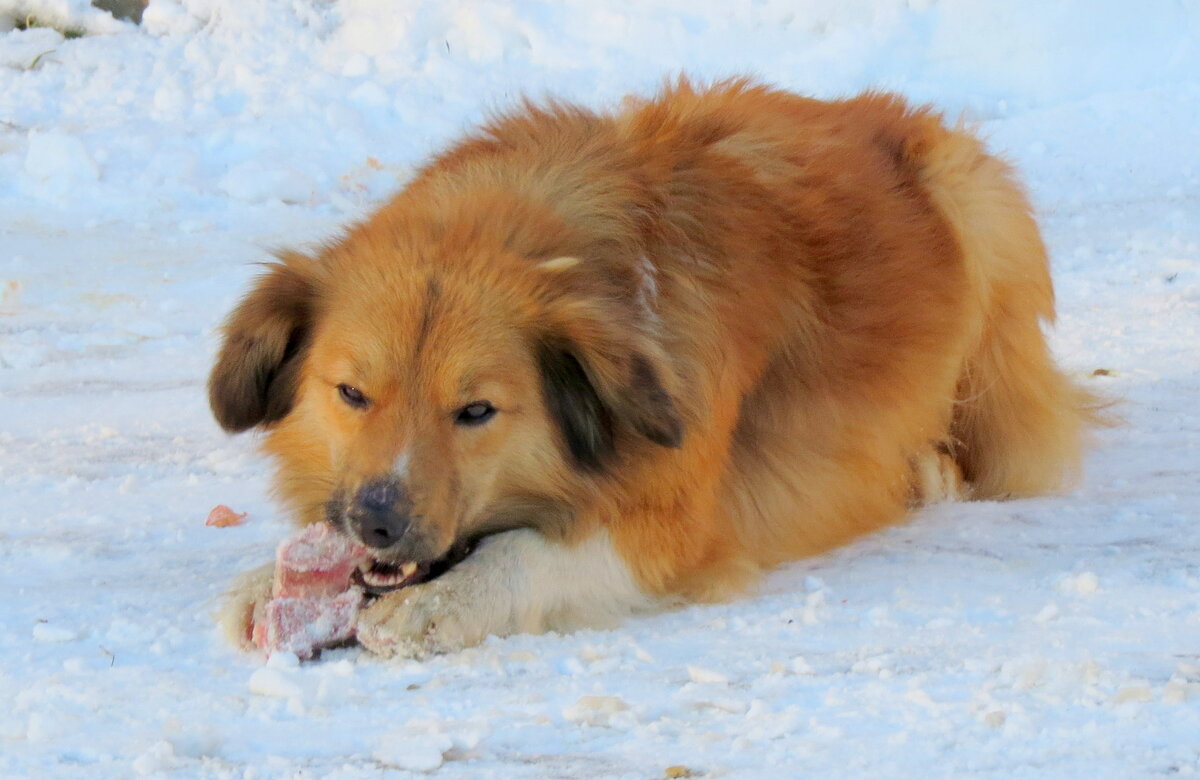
<point x="313" y="604"/>
<point x="304" y="625"/>
<point x="317" y="562"/>
<point x="222" y="516"/>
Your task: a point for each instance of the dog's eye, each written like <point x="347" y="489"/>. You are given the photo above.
<point x="353" y="397"/>
<point x="475" y="414"/>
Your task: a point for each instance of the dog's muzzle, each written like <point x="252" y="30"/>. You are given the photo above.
<point x="380" y="513"/>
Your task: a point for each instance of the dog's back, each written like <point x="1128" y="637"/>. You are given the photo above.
<point x="878" y="289"/>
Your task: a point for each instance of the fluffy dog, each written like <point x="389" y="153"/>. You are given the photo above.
<point x="586" y="365"/>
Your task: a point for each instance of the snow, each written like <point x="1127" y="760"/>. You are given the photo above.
<point x="59" y="161"/>
<point x="417" y="752"/>
<point x="144" y="171"/>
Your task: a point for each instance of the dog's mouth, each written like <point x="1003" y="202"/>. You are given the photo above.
<point x="377" y="577"/>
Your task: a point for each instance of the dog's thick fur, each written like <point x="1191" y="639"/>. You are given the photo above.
<point x="721" y="329"/>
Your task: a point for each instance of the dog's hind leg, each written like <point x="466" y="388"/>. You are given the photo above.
<point x="936" y="477"/>
<point x="1019" y="420"/>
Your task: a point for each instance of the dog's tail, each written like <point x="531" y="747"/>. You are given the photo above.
<point x="1018" y="422"/>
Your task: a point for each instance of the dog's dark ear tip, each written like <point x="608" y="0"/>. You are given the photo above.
<point x="232" y="414"/>
<point x="653" y="410"/>
<point x="238" y="407"/>
<point x="235" y="423"/>
<point x="665" y="432"/>
<point x="234" y="428"/>
<point x="672" y="438"/>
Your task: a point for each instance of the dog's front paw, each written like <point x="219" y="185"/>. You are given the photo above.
<point x="418" y="621"/>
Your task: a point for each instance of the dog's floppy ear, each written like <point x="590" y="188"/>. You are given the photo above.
<point x="649" y="407"/>
<point x="590" y="395"/>
<point x="585" y="422"/>
<point x="255" y="378"/>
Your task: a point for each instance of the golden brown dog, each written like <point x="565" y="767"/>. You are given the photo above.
<point x="590" y="364"/>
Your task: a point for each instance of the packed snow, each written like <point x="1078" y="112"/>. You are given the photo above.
<point x="146" y="170"/>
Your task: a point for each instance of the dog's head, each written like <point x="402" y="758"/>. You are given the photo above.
<point x="421" y="398"/>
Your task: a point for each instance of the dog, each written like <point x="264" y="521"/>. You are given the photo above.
<point x="587" y="365"/>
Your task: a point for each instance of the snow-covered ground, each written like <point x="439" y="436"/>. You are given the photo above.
<point x="144" y="170"/>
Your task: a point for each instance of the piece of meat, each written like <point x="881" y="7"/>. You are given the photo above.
<point x="313" y="604"/>
<point x="222" y="516"/>
<point x="316" y="562"/>
<point x="305" y="625"/>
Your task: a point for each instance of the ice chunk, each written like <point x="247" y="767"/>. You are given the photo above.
<point x="413" y="752"/>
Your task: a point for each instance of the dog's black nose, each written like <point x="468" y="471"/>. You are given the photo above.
<point x="379" y="495"/>
<point x="381" y="513"/>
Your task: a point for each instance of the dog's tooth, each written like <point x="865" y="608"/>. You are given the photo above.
<point x="393" y="574"/>
<point x="383" y="580"/>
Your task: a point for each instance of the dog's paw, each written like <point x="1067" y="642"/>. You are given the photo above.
<point x="245" y="604"/>
<point x="936" y="477"/>
<point x="418" y="621"/>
